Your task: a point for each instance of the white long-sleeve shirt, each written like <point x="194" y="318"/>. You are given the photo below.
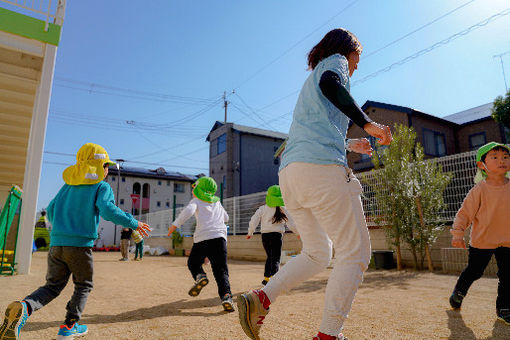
<point x="210" y="217"/>
<point x="264" y="216"/>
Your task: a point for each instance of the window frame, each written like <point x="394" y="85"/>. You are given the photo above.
<point x="471" y="146"/>
<point x="435" y="134"/>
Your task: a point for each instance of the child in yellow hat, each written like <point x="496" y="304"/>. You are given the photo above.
<point x="74" y="214"/>
<point x="209" y="239"/>
<point x="485" y="209"/>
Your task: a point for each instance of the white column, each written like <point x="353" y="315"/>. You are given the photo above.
<point x="34" y="161"/>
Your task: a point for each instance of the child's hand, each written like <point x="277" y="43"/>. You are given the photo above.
<point x="143" y="229"/>
<point x="171" y="230"/>
<point x="458" y="243"/>
<point x="248" y="237"/>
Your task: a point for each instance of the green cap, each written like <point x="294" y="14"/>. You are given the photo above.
<point x="205" y="188"/>
<point x="274" y="197"/>
<point x="481" y="174"/>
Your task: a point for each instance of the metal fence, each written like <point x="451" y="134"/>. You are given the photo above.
<point x="50" y="11"/>
<point x="240" y="209"/>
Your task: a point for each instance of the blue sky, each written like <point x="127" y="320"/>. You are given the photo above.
<point x="145" y="78"/>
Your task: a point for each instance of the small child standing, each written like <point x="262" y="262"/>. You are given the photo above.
<point x="74" y="214"/>
<point x="209" y="239"/>
<point x="138" y="239"/>
<point x="272" y="217"/>
<point x="485" y="208"/>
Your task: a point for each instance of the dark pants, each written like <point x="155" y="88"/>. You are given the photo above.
<point x="139" y="249"/>
<point x="216" y="250"/>
<point x="272" y="243"/>
<point x="477" y="262"/>
<point x="62" y="262"/>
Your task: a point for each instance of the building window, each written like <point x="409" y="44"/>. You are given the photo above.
<point x="123" y="179"/>
<point x="158" y="203"/>
<point x="167" y="204"/>
<point x="434" y="143"/>
<point x="113" y="179"/>
<point x="178" y="187"/>
<point x="167" y="183"/>
<point x="159" y="182"/>
<point x="476" y="140"/>
<point x="121" y="201"/>
<point x="222" y="144"/>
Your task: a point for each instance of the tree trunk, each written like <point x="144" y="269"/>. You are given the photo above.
<point x="429" y="258"/>
<point x="399" y="258"/>
<point x="415" y="256"/>
<point x="426" y="243"/>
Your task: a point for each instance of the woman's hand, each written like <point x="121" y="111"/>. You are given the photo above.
<point x="171" y="230"/>
<point x="143" y="229"/>
<point x="380" y="131"/>
<point x="360" y="145"/>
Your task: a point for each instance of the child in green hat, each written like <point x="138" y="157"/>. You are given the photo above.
<point x="272" y="217"/>
<point x="209" y="239"/>
<point x="485" y="208"/>
<point x="74" y="214"/>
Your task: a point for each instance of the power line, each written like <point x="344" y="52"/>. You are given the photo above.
<point x="416" y="30"/>
<point x="294" y="45"/>
<point x="125" y="92"/>
<point x="434" y="46"/>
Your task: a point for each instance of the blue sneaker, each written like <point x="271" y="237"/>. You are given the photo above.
<point x="69" y="333"/>
<point x="16" y="315"/>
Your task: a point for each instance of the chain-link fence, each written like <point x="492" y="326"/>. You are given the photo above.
<point x="240" y="209"/>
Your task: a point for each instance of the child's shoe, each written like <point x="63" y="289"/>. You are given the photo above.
<point x="66" y="333"/>
<point x="252" y="312"/>
<point x="322" y="336"/>
<point x="456" y="299"/>
<point x="200" y="283"/>
<point x="504" y="315"/>
<point x="16" y="315"/>
<point x="227" y="303"/>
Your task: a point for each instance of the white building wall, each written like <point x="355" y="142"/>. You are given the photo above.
<point x="161" y="190"/>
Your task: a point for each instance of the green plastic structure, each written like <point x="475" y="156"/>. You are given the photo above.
<point x="13" y="202"/>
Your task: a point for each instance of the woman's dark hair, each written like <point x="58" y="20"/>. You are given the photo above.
<point x="279" y="216"/>
<point x="335" y="41"/>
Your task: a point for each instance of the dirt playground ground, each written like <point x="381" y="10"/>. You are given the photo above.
<point x="149" y="300"/>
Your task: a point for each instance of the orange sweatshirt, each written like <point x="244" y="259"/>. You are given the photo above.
<point x="487" y="209"/>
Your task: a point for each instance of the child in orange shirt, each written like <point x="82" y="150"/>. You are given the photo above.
<point x="486" y="209"/>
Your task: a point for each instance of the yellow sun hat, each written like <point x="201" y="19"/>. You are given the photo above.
<point x="88" y="169"/>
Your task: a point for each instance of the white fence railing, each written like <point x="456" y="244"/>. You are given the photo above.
<point x="240" y="209"/>
<point x="47" y="10"/>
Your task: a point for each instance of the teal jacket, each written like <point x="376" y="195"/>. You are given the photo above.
<point x="74" y="214"/>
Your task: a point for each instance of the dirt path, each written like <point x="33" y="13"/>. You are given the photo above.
<point x="148" y="300"/>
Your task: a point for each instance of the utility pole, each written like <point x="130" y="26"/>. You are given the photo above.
<point x="118" y="164"/>
<point x="225" y="105"/>
<point x="500" y="56"/>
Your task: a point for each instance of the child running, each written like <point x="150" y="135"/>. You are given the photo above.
<point x="486" y="209"/>
<point x="272" y="217"/>
<point x="74" y="214"/>
<point x="209" y="239"/>
<point x="320" y="192"/>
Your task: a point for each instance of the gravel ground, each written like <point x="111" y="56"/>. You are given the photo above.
<point x="148" y="300"/>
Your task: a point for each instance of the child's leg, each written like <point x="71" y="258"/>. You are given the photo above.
<point x="196" y="258"/>
<point x="56" y="279"/>
<point x="81" y="264"/>
<point x="140" y="248"/>
<point x="503" y="260"/>
<point x="217" y="254"/>
<point x="137" y="250"/>
<point x="124" y="248"/>
<point x="272" y="243"/>
<point x="478" y="260"/>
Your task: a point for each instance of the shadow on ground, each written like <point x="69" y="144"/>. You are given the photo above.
<point x="176" y="308"/>
<point x="459" y="329"/>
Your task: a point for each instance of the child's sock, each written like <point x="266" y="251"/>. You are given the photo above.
<point x="29" y="308"/>
<point x="263" y="298"/>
